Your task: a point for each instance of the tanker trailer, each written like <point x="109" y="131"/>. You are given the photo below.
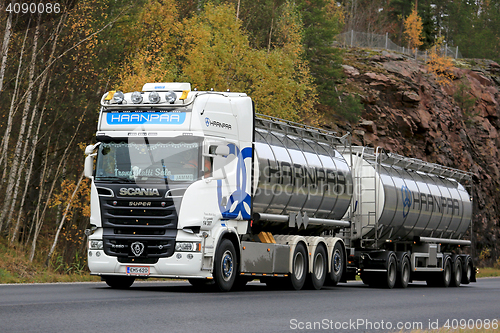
<point x="408" y="219"/>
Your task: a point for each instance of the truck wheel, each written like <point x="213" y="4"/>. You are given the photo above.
<point x="467" y="270"/>
<point x="404" y="273"/>
<point x="391" y="275"/>
<point x="445" y="278"/>
<point x="316" y="278"/>
<point x="297" y="277"/>
<point x="333" y="278"/>
<point x="456" y="273"/>
<point x="119" y="282"/>
<point x="225" y="266"/>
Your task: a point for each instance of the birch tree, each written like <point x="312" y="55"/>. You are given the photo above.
<point x="15" y="169"/>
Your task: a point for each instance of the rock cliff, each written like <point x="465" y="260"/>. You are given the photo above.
<point x="457" y="125"/>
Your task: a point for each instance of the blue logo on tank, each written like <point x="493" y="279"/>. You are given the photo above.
<point x="407" y="199"/>
<point x="239" y="201"/>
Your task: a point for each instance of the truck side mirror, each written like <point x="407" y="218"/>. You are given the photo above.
<point x="89" y="149"/>
<point x="222" y="151"/>
<point x="88" y="169"/>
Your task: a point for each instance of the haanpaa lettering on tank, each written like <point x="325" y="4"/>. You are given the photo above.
<point x="428" y="202"/>
<point x="295" y="177"/>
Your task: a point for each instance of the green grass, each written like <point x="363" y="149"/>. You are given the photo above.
<point x="488" y="272"/>
<point x="15" y="267"/>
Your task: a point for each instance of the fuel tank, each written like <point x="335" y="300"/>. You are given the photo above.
<point x="400" y="198"/>
<point x="296" y="174"/>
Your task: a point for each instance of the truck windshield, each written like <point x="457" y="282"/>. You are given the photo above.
<point x="170" y="159"/>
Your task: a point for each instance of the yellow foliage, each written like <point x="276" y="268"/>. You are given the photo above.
<point x="211" y="50"/>
<point x="413" y="29"/>
<point x="80" y="202"/>
<point x="335" y="12"/>
<point x="156" y="38"/>
<point x="440" y="64"/>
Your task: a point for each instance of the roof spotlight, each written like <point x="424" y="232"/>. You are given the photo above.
<point x="154" y="97"/>
<point x="118" y="97"/>
<point x="170" y="96"/>
<point x="136" y="97"/>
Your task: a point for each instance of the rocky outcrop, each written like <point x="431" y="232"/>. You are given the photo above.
<point x="456" y="125"/>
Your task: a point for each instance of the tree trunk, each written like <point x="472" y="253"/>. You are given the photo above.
<point x="31" y="157"/>
<point x="39" y="222"/>
<point x="40" y="193"/>
<point x="11" y="194"/>
<point x="68" y="206"/>
<point x="4" y="148"/>
<point x="5" y="47"/>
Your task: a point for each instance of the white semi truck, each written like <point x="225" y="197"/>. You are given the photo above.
<point x="194" y="185"/>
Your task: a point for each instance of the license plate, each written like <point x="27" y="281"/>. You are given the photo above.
<point x="138" y="270"/>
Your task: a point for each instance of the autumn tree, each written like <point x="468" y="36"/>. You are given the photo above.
<point x="439" y="64"/>
<point x="413" y="29"/>
<point x="211" y="50"/>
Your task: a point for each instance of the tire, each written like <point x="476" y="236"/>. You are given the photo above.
<point x="391" y="275"/>
<point x="403" y="277"/>
<point x="445" y="276"/>
<point x="334" y="276"/>
<point x="119" y="282"/>
<point x="316" y="279"/>
<point x="467" y="270"/>
<point x="456" y="272"/>
<point x="225" y="266"/>
<point x="297" y="277"/>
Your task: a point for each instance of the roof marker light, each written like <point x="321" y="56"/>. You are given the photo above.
<point x="170" y="96"/>
<point x="184" y="95"/>
<point x="154" y="97"/>
<point x="136" y="97"/>
<point x="109" y="95"/>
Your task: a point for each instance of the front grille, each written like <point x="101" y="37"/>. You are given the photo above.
<point x="150" y="221"/>
<point x="153" y="248"/>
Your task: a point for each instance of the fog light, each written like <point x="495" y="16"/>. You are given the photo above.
<point x="136" y="97"/>
<point x="90" y="253"/>
<point x="98" y="254"/>
<point x="118" y="97"/>
<point x="179" y="256"/>
<point x="154" y="97"/>
<point x="170" y="96"/>
<point x="190" y="256"/>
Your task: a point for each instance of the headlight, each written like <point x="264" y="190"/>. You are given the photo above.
<point x="136" y="97"/>
<point x="154" y="97"/>
<point x="95" y="244"/>
<point x="187" y="247"/>
<point x="118" y="97"/>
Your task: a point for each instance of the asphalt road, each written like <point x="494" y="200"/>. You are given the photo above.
<point x="177" y="307"/>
